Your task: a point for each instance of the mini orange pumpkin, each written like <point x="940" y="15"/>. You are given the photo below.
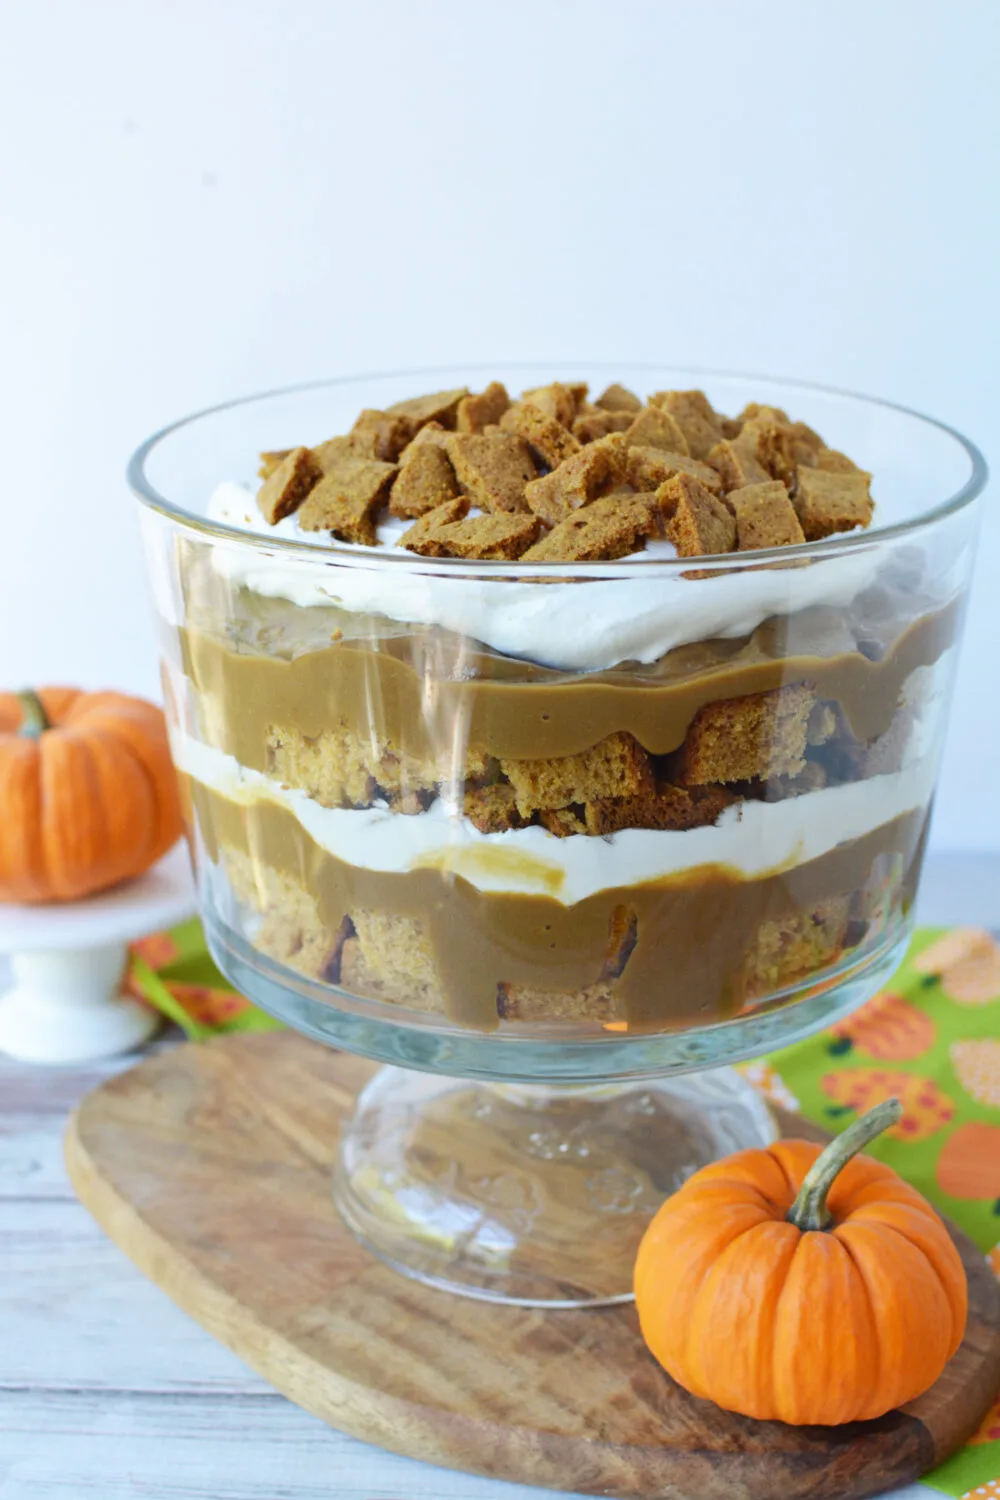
<point x="802" y="1286"/>
<point x="88" y="794"/>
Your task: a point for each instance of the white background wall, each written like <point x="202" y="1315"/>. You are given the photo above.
<point x="201" y="199"/>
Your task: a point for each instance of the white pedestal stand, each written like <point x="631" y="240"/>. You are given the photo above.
<point x="67" y="963"/>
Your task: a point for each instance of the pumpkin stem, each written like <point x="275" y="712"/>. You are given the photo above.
<point x="810" y="1211"/>
<point x="34" y="720"/>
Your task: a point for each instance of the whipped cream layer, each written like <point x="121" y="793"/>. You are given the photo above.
<point x="574" y="625"/>
<point x="751" y="838"/>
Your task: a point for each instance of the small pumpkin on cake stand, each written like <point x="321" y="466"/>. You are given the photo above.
<point x="89" y="809"/>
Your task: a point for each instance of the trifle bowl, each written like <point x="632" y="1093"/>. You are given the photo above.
<point x="558" y="737"/>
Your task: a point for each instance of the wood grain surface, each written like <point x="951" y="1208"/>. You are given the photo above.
<point x="210" y="1167"/>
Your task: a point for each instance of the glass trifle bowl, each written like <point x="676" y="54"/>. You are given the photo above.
<point x="559" y="835"/>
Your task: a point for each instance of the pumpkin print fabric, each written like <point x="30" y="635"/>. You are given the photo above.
<point x="932" y="1038"/>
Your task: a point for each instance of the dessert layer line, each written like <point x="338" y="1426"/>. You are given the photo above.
<point x="750" y="840"/>
<point x="378" y="685"/>
<point x="579" y="628"/>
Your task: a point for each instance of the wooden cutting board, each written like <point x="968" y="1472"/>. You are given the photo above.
<point x="210" y="1167"/>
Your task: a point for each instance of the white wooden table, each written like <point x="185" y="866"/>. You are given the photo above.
<point x="108" y="1392"/>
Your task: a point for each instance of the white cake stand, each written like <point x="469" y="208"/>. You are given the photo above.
<point x="67" y="964"/>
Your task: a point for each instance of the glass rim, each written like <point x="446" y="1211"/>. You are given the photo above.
<point x="346" y="554"/>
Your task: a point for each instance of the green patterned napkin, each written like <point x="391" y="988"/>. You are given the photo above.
<point x="932" y="1038"/>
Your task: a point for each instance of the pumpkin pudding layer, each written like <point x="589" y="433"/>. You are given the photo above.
<point x="574" y="800"/>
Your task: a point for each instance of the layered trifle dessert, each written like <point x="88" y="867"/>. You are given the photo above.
<point x="571" y="718"/>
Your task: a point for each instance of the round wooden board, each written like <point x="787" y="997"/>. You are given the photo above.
<point x="210" y="1167"/>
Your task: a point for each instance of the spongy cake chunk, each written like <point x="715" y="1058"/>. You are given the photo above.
<point x="492" y="468"/>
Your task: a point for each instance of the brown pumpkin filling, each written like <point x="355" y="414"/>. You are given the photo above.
<point x="685" y="950"/>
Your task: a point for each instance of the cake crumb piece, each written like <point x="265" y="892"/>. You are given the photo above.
<point x="665" y="807"/>
<point x="827" y="502"/>
<point x="617" y="766"/>
<point x="329" y="454"/>
<point x="765" y="517"/>
<point x="695" y="416"/>
<point x="489" y="538"/>
<point x="656" y="428"/>
<point x="788" y="947"/>
<point x="610" y="527"/>
<point x="593" y="423"/>
<point x="449" y="511"/>
<point x="771" y="445"/>
<point x="425" y="480"/>
<point x="737" y="464"/>
<point x="286" y="488"/>
<point x="754" y="410"/>
<point x="476" y="413"/>
<point x="432" y="434"/>
<point x="492" y="468"/>
<point x="381" y="434"/>
<point x="560" y="402"/>
<point x="439" y="406"/>
<point x="563" y="822"/>
<point x="492" y="809"/>
<point x="347" y="499"/>
<point x="742" y="739"/>
<point x="270" y="460"/>
<point x="596" y="1004"/>
<point x="548" y="439"/>
<point x="835" y="462"/>
<point x="584" y="477"/>
<point x="648" y="468"/>
<point x="699" y="523"/>
<point x="618" y="398"/>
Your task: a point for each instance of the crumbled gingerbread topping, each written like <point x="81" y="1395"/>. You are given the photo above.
<point x="654" y="427"/>
<point x="594" y="422"/>
<point x="648" y="468"/>
<point x="270" y="460"/>
<point x="560" y="402"/>
<point x="287" y="485"/>
<point x="699" y="523"/>
<point x="694" y="415"/>
<point x="619" y="398"/>
<point x="611" y="527"/>
<point x="490" y="538"/>
<point x="425" y="479"/>
<point x="476" y="413"/>
<point x="419" y="535"/>
<point x="381" y="434"/>
<point x="584" y="480"/>
<point x="737" y="464"/>
<point x="548" y="439"/>
<point x="579" y="480"/>
<point x="827" y="501"/>
<point x="439" y="407"/>
<point x="347" y="499"/>
<point x="765" y="517"/>
<point x="493" y="468"/>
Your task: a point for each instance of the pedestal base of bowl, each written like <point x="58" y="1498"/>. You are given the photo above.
<point x="528" y="1194"/>
<point x="210" y="1167"/>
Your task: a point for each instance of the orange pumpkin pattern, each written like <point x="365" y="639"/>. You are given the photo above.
<point x="925" y="1107"/>
<point x="157" y="950"/>
<point x="888" y="1027"/>
<point x="993" y="1261"/>
<point x="969" y="1164"/>
<point x="977" y="1068"/>
<point x="207" y="1006"/>
<point x="967" y="962"/>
